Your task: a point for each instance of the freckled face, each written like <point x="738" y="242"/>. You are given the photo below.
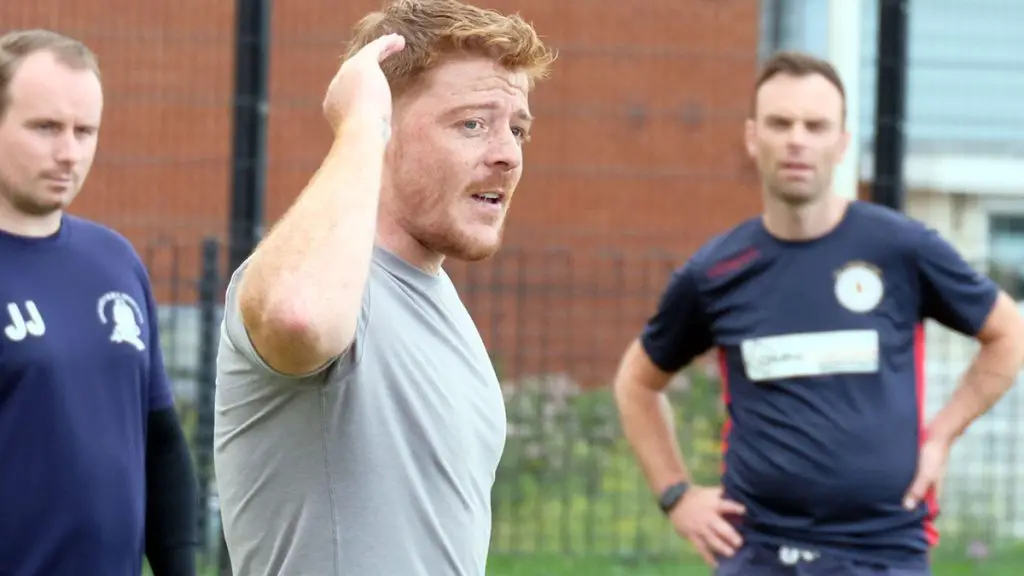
<point x="456" y="156"/>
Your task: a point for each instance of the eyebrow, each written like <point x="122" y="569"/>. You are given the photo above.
<point x="521" y="114"/>
<point x="783" y="118"/>
<point x="36" y="120"/>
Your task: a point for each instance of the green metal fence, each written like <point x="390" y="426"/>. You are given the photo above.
<point x="569" y="497"/>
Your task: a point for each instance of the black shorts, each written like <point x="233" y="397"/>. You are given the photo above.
<point x="765" y="560"/>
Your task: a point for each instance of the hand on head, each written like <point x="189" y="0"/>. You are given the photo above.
<point x="360" y="89"/>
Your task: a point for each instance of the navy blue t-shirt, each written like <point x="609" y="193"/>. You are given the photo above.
<point x="80" y="370"/>
<point x="820" y="345"/>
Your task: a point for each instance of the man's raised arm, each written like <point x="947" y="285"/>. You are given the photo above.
<point x="301" y="292"/>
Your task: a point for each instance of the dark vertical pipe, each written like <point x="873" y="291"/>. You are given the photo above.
<point x="890" y="99"/>
<point x="209" y="303"/>
<point x="248" y="157"/>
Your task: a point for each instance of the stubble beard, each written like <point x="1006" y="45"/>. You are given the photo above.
<point x="796" y="198"/>
<point x="25" y="203"/>
<point x="446" y="238"/>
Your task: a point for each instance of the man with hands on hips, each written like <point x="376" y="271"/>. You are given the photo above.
<point x="816" y="309"/>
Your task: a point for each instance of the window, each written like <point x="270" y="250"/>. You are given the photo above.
<point x="1006" y="252"/>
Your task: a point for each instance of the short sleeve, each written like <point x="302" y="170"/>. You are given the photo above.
<point x="160" y="396"/>
<point x="234" y="326"/>
<point x="953" y="292"/>
<point x="678" y="331"/>
<point x="241" y="344"/>
<point x="238" y="335"/>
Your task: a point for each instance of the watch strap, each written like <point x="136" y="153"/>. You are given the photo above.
<point x="671" y="496"/>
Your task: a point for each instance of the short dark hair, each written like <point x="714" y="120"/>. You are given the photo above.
<point x="18" y="45"/>
<point x="799" y="64"/>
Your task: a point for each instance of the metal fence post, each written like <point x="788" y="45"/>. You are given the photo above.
<point x="249" y="140"/>
<point x="209" y="288"/>
<point x="890" y="99"/>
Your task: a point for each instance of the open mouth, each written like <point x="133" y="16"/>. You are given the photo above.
<point x="489" y="197"/>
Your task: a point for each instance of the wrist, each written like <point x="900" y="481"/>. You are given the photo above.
<point x="365" y="127"/>
<point x="672" y="495"/>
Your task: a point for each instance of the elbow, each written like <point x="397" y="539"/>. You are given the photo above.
<point x="282" y="315"/>
<point x="288" y="323"/>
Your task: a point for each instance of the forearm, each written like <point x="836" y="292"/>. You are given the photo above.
<point x="991" y="374"/>
<point x="171" y="498"/>
<point x="647" y="423"/>
<point x="306" y="279"/>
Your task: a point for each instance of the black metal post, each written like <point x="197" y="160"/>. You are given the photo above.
<point x="890" y="103"/>
<point x="248" y="177"/>
<point x="206" y="382"/>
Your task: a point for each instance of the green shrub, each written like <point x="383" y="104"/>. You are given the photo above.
<point x="568" y="481"/>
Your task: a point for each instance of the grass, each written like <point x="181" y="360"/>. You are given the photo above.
<point x="562" y="566"/>
<point x="1007" y="562"/>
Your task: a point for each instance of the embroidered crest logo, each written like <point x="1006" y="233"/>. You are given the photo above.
<point x="859" y="287"/>
<point x="126" y="317"/>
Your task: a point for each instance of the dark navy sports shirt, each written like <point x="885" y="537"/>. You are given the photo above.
<point x="820" y="345"/>
<point x="80" y="369"/>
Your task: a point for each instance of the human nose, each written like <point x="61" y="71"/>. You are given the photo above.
<point x="797" y="137"/>
<point x="67" y="148"/>
<point x="506" y="152"/>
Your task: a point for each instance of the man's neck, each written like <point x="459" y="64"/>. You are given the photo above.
<point x="805" y="222"/>
<point x="19" y="224"/>
<point x="396" y="240"/>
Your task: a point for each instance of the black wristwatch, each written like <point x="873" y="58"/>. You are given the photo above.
<point x="672" y="495"/>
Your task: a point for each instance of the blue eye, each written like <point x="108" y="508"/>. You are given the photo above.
<point x="471" y="124"/>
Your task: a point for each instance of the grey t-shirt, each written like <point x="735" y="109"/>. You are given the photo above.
<point x="380" y="465"/>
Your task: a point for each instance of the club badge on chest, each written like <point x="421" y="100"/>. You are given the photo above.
<point x="125" y="317"/>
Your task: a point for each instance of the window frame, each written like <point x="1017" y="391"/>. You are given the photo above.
<point x="1004" y="208"/>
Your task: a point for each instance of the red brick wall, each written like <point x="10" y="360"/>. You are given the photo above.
<point x="637" y="146"/>
<point x="161" y="175"/>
